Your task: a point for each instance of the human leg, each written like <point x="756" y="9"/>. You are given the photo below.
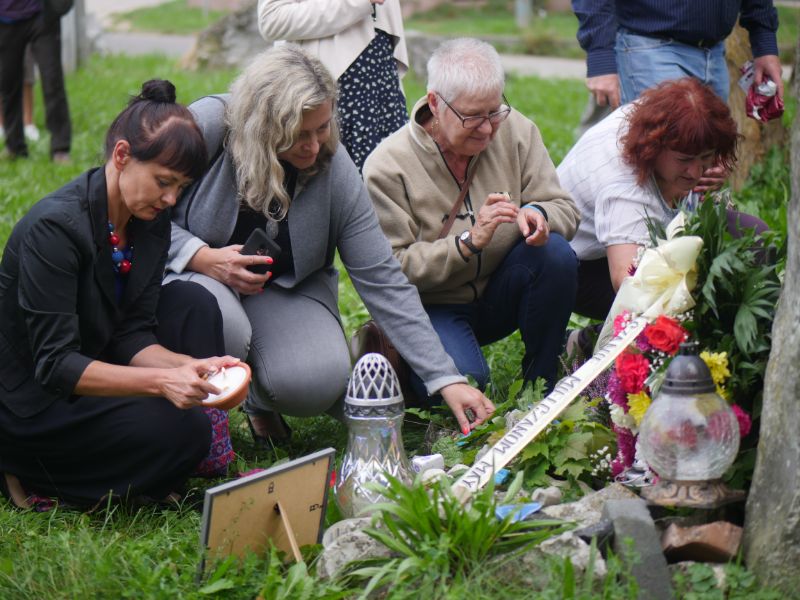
<point x="644" y="62"/>
<point x="235" y="324"/>
<point x="533" y="290"/>
<point x="595" y="294"/>
<point x="46" y="48"/>
<point x="190" y="322"/>
<point x="13" y="39"/>
<point x="299" y="355"/>
<point x="31" y="131"/>
<point x="86" y="447"/>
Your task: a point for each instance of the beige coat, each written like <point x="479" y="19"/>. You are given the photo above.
<point x="413" y="191"/>
<point x="334" y="31"/>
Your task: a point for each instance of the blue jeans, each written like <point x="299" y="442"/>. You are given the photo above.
<point x="532" y="290"/>
<point x="643" y="62"/>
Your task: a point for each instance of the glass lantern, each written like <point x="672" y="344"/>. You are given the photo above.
<point x="373" y="411"/>
<point x="689" y="436"/>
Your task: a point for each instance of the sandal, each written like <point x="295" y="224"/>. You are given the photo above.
<point x="11" y="488"/>
<point x="268" y="428"/>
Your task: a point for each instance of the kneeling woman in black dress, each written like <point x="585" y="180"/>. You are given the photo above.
<point x="91" y="403"/>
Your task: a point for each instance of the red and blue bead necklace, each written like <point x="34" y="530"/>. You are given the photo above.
<point x="120" y="257"/>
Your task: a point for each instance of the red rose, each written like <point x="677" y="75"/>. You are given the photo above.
<point x="665" y="334"/>
<point x="632" y="370"/>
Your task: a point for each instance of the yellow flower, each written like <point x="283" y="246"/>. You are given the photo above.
<point x="717" y="363"/>
<point x="637" y="406"/>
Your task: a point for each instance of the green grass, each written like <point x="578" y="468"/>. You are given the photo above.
<point x="153" y="553"/>
<point x="175" y="17"/>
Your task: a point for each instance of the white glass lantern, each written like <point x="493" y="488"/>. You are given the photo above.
<point x="689" y="436"/>
<point x="373" y="410"/>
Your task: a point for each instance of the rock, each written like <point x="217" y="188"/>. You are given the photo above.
<point x="602" y="532"/>
<point x="432" y="475"/>
<point x="588" y="510"/>
<point x="343" y="527"/>
<point x="457" y="470"/>
<point x="548" y="496"/>
<point x="772" y="521"/>
<point x="354" y="545"/>
<point x="229" y="43"/>
<point x="632" y="521"/>
<point x="482" y="452"/>
<point x="714" y="542"/>
<point x="579" y="552"/>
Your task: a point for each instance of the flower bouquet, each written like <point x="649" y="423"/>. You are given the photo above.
<point x="637" y="376"/>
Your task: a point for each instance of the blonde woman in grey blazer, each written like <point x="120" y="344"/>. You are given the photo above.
<point x="278" y="165"/>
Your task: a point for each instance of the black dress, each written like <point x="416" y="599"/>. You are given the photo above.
<point x="371" y="103"/>
<point x="58" y="312"/>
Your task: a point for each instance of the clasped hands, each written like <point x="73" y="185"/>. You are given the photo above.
<point x="499" y="209"/>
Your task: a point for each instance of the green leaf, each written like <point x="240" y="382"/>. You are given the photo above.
<point x="217" y="586"/>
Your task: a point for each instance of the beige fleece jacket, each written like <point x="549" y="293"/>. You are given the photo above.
<point x="413" y="191"/>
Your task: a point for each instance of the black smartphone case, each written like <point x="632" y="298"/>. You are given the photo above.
<point x="259" y="243"/>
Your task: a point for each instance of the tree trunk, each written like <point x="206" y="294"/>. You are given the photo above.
<point x="758" y="138"/>
<point x="772" y="521"/>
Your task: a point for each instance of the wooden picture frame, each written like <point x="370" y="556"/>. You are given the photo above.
<point x="284" y="504"/>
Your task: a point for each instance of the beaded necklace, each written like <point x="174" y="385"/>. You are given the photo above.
<point x="121" y="258"/>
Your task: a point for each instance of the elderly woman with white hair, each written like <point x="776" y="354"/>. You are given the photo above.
<point x="501" y="261"/>
<point x="279" y="167"/>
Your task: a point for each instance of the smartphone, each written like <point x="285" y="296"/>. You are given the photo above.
<point x="259" y="243"/>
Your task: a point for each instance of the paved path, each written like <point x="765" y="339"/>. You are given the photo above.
<point x="178" y="45"/>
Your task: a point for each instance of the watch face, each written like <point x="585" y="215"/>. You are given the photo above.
<point x="465" y="236"/>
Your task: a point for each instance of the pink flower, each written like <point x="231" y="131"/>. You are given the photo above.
<point x="745" y="423"/>
<point x="632" y="370"/>
<point x="615" y="392"/>
<point x="626" y="445"/>
<point x="621" y="321"/>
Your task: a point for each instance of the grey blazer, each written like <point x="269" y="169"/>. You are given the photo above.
<point x="332" y="211"/>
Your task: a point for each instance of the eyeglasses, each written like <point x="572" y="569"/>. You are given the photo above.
<point x="495" y="118"/>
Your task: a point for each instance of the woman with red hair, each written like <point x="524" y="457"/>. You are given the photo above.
<point x="645" y="161"/>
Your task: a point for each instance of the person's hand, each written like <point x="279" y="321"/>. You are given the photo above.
<point x="533" y="226"/>
<point x="605" y="89"/>
<point x="377" y="1"/>
<point x="770" y="65"/>
<point x="186" y="386"/>
<point x="713" y="178"/>
<point x="495" y="211"/>
<point x="461" y="397"/>
<point x="230" y="267"/>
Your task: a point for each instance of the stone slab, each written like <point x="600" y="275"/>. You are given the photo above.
<point x="632" y="521"/>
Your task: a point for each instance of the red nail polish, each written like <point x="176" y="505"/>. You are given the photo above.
<point x="465" y="430"/>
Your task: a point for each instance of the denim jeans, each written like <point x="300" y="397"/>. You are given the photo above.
<point x="643" y="62"/>
<point x="532" y="290"/>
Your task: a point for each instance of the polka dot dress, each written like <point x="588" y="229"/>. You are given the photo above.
<point x="371" y="104"/>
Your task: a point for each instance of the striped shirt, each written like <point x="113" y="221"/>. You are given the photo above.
<point x="691" y="22"/>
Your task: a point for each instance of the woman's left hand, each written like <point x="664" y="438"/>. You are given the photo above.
<point x="533" y="226"/>
<point x="712" y="179"/>
<point x="461" y="397"/>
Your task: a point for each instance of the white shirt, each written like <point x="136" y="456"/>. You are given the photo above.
<point x="614" y="208"/>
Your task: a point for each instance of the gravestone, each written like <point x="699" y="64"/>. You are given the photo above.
<point x="772" y="520"/>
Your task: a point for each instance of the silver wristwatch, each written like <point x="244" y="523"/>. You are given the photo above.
<point x="466" y="237"/>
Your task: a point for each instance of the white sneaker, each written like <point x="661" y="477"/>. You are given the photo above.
<point x="32" y="132"/>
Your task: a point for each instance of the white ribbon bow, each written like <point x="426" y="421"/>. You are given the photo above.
<point x="663" y="281"/>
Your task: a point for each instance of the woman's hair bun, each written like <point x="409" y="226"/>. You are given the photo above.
<point x="157" y="90"/>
